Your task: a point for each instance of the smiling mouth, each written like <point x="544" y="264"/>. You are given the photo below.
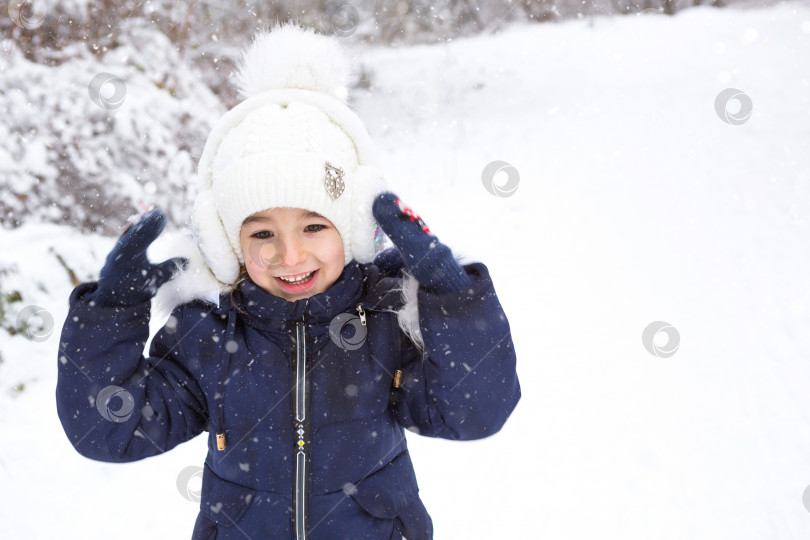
<point x="297" y="279"/>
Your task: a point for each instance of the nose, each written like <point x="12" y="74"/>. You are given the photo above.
<point x="293" y="252"/>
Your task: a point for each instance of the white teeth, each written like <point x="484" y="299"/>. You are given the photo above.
<point x="300" y="278"/>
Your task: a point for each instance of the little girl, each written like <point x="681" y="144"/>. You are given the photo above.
<point x="316" y="350"/>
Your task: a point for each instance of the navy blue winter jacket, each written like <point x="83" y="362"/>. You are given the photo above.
<point x="314" y="441"/>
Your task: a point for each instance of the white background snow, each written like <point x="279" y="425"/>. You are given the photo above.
<point x="636" y="204"/>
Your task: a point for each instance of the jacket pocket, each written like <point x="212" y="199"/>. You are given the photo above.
<point x="392" y="493"/>
<point x="231" y="511"/>
<point x="223" y="502"/>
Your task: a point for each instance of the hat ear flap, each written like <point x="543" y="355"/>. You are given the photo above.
<point x="367" y="237"/>
<point x="212" y="240"/>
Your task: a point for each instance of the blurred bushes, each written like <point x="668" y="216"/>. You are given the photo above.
<point x="66" y="158"/>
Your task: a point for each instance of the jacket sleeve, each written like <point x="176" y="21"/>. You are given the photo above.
<point x="464" y="386"/>
<point x="114" y="404"/>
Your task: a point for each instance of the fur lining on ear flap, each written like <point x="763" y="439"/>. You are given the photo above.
<point x="196" y="282"/>
<point x="214" y="246"/>
<point x="368" y="183"/>
<point x="408" y="315"/>
<point x="290" y="56"/>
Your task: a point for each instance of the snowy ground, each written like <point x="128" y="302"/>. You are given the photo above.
<point x="636" y="204"/>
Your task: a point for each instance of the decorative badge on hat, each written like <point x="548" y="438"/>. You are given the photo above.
<point x="333" y="180"/>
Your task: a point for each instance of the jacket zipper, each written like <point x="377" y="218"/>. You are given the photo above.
<point x="301" y="427"/>
<point x="396" y="384"/>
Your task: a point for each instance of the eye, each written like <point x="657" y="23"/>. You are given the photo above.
<point x="316" y="225"/>
<point x="261" y="235"/>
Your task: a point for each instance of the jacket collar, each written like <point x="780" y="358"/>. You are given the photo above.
<point x="358" y="282"/>
<point x="262" y="310"/>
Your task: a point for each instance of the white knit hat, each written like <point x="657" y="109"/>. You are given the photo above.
<point x="293" y="142"/>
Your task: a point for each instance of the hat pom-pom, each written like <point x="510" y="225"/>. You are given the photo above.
<point x="289" y="56"/>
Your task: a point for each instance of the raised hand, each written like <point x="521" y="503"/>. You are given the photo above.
<point x="428" y="260"/>
<point x="128" y="278"/>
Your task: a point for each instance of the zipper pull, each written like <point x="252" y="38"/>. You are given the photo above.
<point x="220" y="441"/>
<point x="362" y="314"/>
<point x="393" y="393"/>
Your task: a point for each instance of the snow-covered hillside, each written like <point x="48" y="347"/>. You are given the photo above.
<point x="636" y="204"/>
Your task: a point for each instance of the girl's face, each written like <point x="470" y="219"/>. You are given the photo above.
<point x="291" y="253"/>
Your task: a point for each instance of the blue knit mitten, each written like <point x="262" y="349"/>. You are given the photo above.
<point x="389" y="261"/>
<point x="428" y="260"/>
<point x="128" y="278"/>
